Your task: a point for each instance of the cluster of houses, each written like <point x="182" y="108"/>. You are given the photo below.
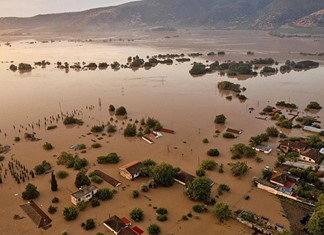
<point x="284" y="183"/>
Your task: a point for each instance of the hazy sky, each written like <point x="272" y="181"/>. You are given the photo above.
<point x="35" y="7"/>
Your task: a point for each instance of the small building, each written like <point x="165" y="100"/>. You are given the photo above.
<point x="184" y="178"/>
<point x="263" y="149"/>
<point x="234" y="131"/>
<point x="110" y="180"/>
<point x="285" y="180"/>
<point x="37" y="215"/>
<point x="115" y="224"/>
<point x="310" y="155"/>
<point x="131" y="170"/>
<point x="312" y="129"/>
<point x="84" y="194"/>
<point x="295" y="146"/>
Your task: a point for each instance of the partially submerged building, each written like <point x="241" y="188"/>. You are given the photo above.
<point x="37" y="215"/>
<point x="84" y="194"/>
<point x="131" y="170"/>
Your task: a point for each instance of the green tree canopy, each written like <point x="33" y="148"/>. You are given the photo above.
<point x="81" y="179"/>
<point x="163" y="174"/>
<point x="222" y="211"/>
<point x="70" y="213"/>
<point x="30" y="192"/>
<point x="199" y="189"/>
<point x="137" y="214"/>
<point x="239" y="168"/>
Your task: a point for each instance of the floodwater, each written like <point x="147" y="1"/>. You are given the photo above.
<point x="167" y="92"/>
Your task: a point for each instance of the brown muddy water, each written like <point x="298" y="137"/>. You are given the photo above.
<point x="181" y="102"/>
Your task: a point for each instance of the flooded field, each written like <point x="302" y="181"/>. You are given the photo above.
<point x="167" y="92"/>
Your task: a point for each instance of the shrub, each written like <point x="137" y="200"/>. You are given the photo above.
<point x="205" y="141"/>
<point x="55" y="200"/>
<point x="144" y="188"/>
<point x="69" y="120"/>
<point x="184" y="217"/>
<point x="130" y="130"/>
<point x="213" y="152"/>
<point x="272" y="131"/>
<point x="96" y="145"/>
<point x="208" y="165"/>
<point x="97" y="129"/>
<point x="220" y="119"/>
<point x="51" y="209"/>
<point x="200" y="172"/>
<point x="95" y="203"/>
<point x="61" y="174"/>
<point x="229" y="135"/>
<point x="47" y="146"/>
<point x="111" y="158"/>
<point x="162" y="211"/>
<point x="70" y="213"/>
<point x="81" y="206"/>
<point x="314" y="105"/>
<point x="121" y="111"/>
<point x="111" y="128"/>
<point x="154" y="229"/>
<point x="89" y="224"/>
<point x="30" y="192"/>
<point x="135" y="194"/>
<point x="105" y="194"/>
<point x="137" y="214"/>
<point x="96" y="179"/>
<point x="111" y="108"/>
<point x="197" y="208"/>
<point x="161" y="218"/>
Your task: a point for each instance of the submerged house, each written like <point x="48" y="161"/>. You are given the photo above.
<point x="37" y="215"/>
<point x="184" y="178"/>
<point x="286" y="182"/>
<point x="121" y="226"/>
<point x="295" y="146"/>
<point x="311" y="155"/>
<point x="131" y="170"/>
<point x="84" y="194"/>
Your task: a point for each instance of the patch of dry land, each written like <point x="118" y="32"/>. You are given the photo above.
<point x="168" y="93"/>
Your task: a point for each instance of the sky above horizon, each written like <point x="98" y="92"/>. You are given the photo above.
<point x="24" y="8"/>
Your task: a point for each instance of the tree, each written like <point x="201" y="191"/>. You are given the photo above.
<point x="315" y="224"/>
<point x="199" y="189"/>
<point x="105" y="194"/>
<point x="121" y="111"/>
<point x="81" y="179"/>
<point x="222" y="211"/>
<point x="111" y="108"/>
<point x="241" y="150"/>
<point x="266" y="173"/>
<point x="208" y="164"/>
<point x="200" y="172"/>
<point x="62" y="174"/>
<point x="111" y="158"/>
<point x="52" y="209"/>
<point x="97" y="129"/>
<point x="314" y="105"/>
<point x="81" y="205"/>
<point x="39" y="169"/>
<point x="220" y="119"/>
<point x="198" y="69"/>
<point x="315" y="141"/>
<point x="213" y="152"/>
<point x="137" y="214"/>
<point x="47" y="146"/>
<point x="154" y="229"/>
<point x="272" y="131"/>
<point x="130" y="130"/>
<point x="70" y="213"/>
<point x="163" y="174"/>
<point x="89" y="224"/>
<point x="53" y="183"/>
<point x="239" y="168"/>
<point x="30" y="192"/>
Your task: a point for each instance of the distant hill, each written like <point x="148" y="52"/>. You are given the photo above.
<point x="251" y="14"/>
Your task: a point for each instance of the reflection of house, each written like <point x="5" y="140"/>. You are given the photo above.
<point x="131" y="170"/>
<point x="84" y="194"/>
<point x="37" y="215"/>
<point x="285" y="180"/>
<point x="122" y="226"/>
<point x="184" y="178"/>
<point x="295" y="146"/>
<point x="310" y="155"/>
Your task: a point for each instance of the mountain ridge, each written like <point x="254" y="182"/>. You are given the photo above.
<point x="251" y="14"/>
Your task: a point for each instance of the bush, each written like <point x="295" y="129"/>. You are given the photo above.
<point x="96" y="179"/>
<point x="197" y="208"/>
<point x="96" y="145"/>
<point x="162" y="211"/>
<point x="70" y="213"/>
<point x="62" y="174"/>
<point x="89" y="224"/>
<point x="154" y="229"/>
<point x="17" y="139"/>
<point x="69" y="120"/>
<point x="111" y="158"/>
<point x="95" y="203"/>
<point x="30" y="192"/>
<point x="200" y="172"/>
<point x="205" y="141"/>
<point x="184" y="217"/>
<point x="55" y="200"/>
<point x="51" y="209"/>
<point x="213" y="152"/>
<point x="121" y="111"/>
<point x="111" y="108"/>
<point x="272" y="131"/>
<point x="135" y="194"/>
<point x="161" y="218"/>
<point x="97" y="129"/>
<point x="81" y="206"/>
<point x="47" y="146"/>
<point x="208" y="164"/>
<point x="228" y="135"/>
<point x="314" y="105"/>
<point x="130" y="130"/>
<point x="105" y="194"/>
<point x="111" y="128"/>
<point x="145" y="188"/>
<point x="220" y="119"/>
<point x="137" y="214"/>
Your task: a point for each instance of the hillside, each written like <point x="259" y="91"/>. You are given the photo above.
<point x="256" y="14"/>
